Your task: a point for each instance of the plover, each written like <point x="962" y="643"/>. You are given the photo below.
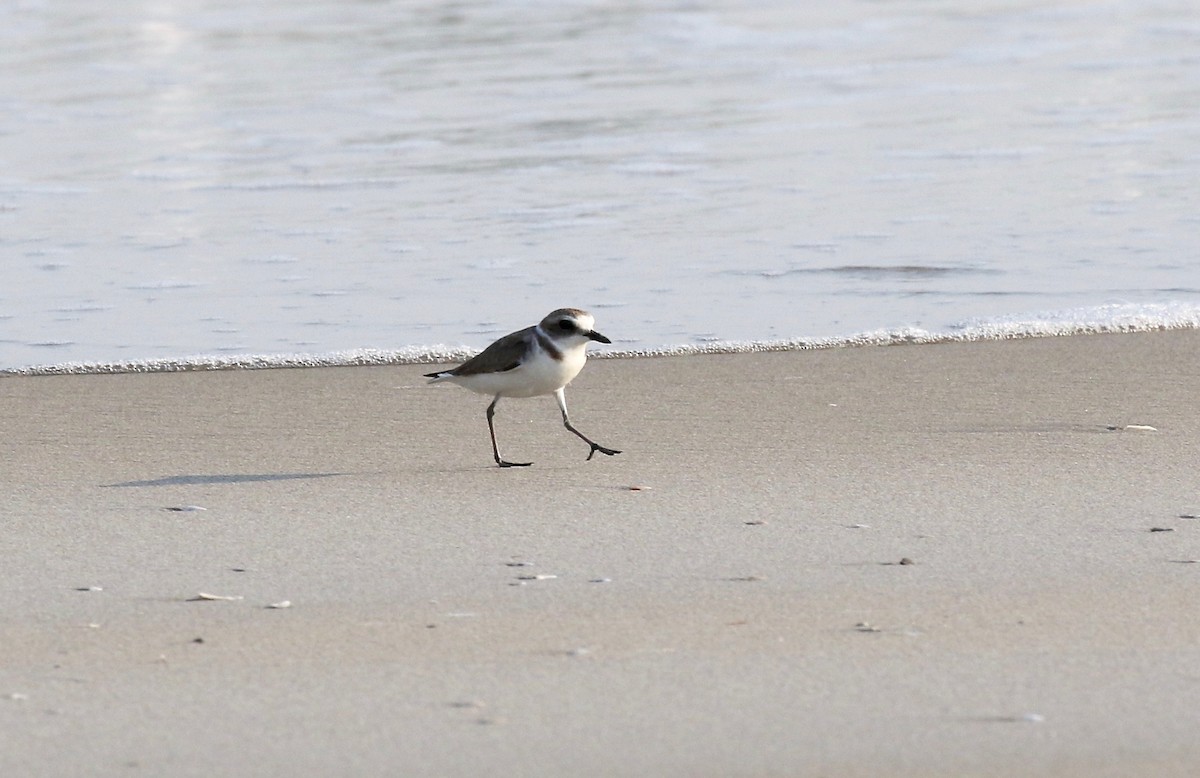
<point x="534" y="361"/>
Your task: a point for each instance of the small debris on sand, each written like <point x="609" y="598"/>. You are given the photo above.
<point x="185" y="508"/>
<point x="280" y="604"/>
<point x="218" y="597"/>
<point x="1027" y="718"/>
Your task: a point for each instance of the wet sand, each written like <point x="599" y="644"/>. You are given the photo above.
<point x="956" y="560"/>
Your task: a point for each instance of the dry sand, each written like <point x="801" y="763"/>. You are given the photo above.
<point x="743" y="613"/>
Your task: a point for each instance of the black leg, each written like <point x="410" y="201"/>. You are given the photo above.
<point x="491" y="411"/>
<point x="561" y="396"/>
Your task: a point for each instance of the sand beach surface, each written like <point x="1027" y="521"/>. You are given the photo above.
<point x="939" y="560"/>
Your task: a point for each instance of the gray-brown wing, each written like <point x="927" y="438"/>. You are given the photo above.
<point x="503" y="355"/>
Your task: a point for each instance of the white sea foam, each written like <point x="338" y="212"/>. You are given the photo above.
<point x="1115" y="318"/>
<point x="349" y="358"/>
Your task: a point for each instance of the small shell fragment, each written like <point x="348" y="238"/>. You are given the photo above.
<point x="863" y="626"/>
<point x="537" y="577"/>
<point x="1140" y="428"/>
<point x="89" y="588"/>
<point x="186" y="508"/>
<point x="220" y="597"/>
<point x="280" y="604"/>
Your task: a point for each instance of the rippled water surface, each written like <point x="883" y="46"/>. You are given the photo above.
<point x="313" y="176"/>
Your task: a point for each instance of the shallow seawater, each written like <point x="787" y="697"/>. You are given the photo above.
<point x="227" y="179"/>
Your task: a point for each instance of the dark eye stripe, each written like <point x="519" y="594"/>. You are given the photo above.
<point x="566" y="324"/>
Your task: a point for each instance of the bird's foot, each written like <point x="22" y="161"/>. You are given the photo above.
<point x="502" y="463"/>
<point x="602" y="449"/>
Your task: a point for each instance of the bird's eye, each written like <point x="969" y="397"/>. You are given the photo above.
<point x="566" y="325"/>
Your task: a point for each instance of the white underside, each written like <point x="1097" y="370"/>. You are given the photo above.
<point x="538" y="374"/>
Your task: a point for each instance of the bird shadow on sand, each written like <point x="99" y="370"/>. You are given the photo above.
<point x="220" y="478"/>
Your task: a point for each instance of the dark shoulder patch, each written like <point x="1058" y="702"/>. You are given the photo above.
<point x="548" y="345"/>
